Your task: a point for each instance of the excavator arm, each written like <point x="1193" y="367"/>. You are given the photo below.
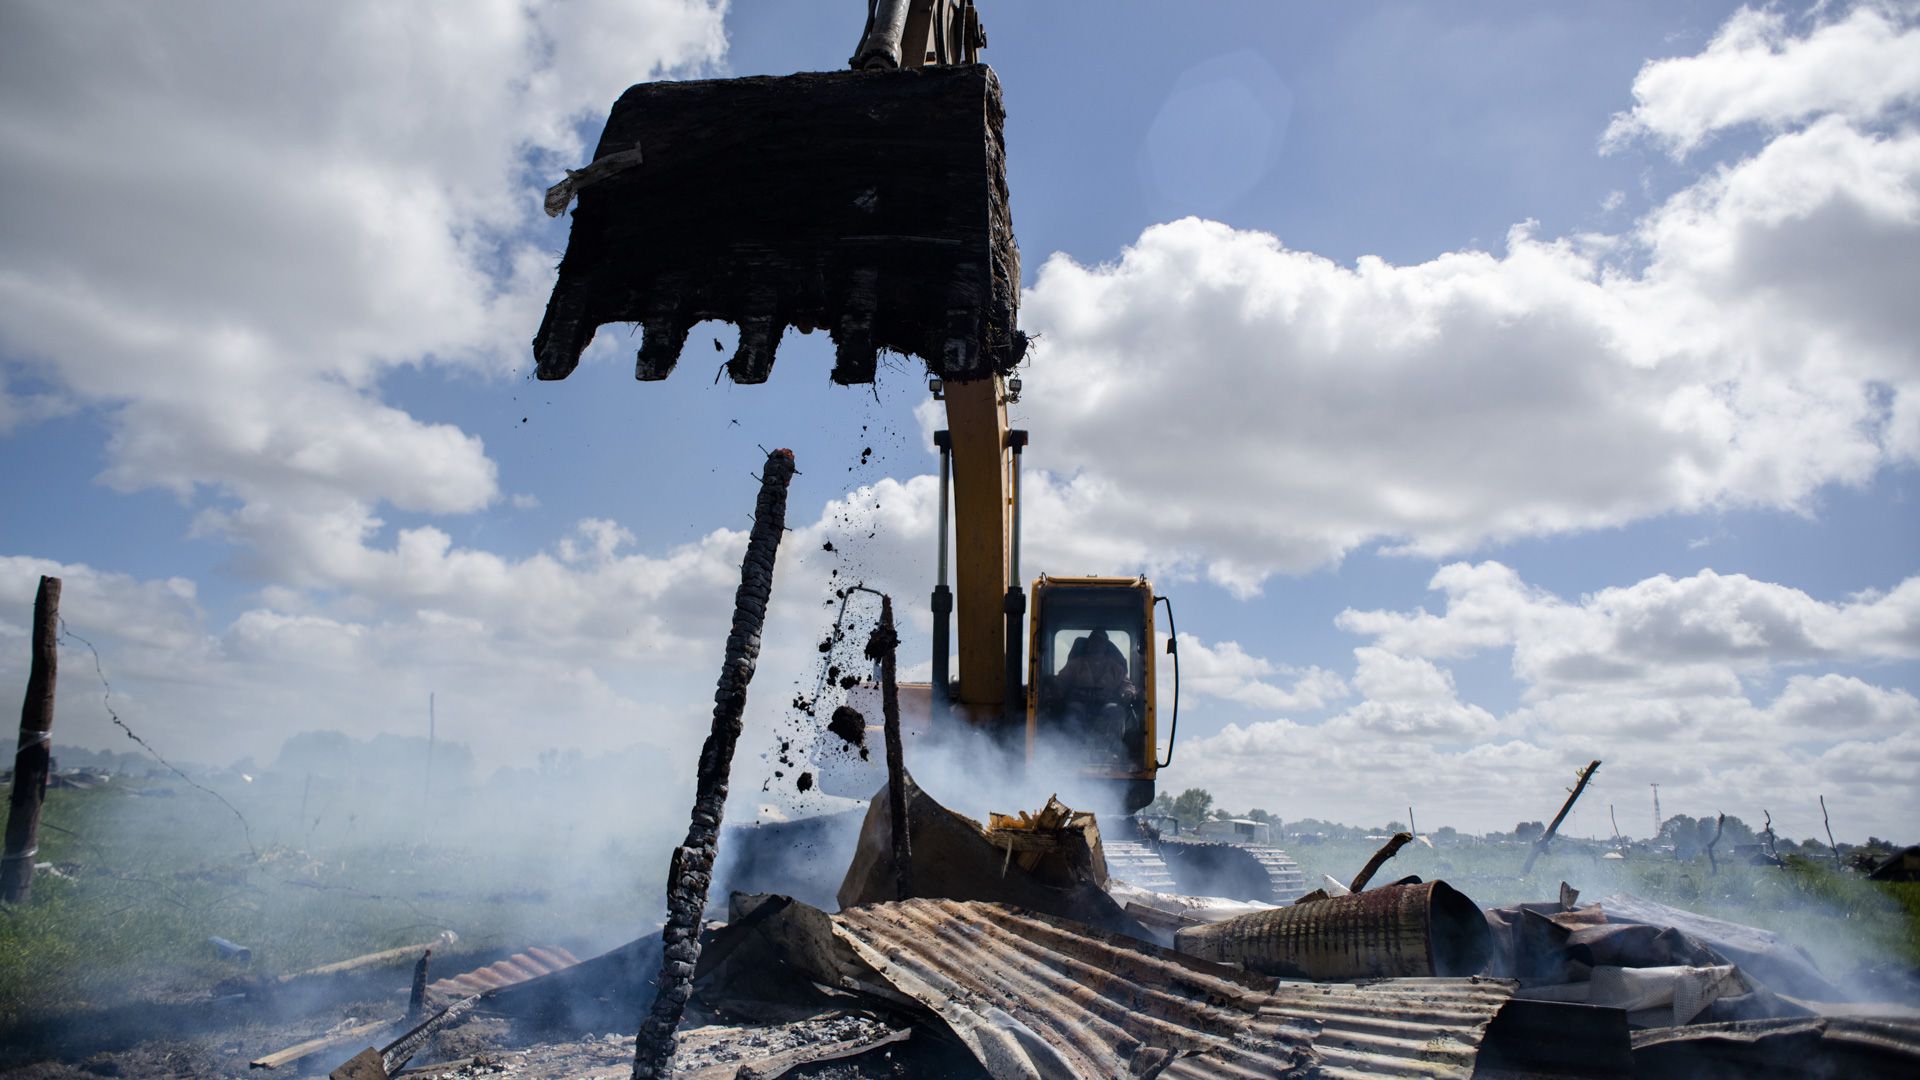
<point x="872" y="203"/>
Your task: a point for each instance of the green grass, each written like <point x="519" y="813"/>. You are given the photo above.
<point x="151" y="879"/>
<point x="1845" y="920"/>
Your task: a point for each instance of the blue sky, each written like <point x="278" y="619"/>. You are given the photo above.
<point x="1591" y="314"/>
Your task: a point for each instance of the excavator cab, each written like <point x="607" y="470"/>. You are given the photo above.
<point x="1090" y="680"/>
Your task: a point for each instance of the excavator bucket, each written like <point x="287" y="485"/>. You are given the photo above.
<point x="872" y="204"/>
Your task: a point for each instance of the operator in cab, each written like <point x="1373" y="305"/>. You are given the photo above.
<point x="1099" y="695"/>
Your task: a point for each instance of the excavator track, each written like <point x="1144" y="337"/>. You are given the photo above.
<point x="1137" y="864"/>
<point x="1235" y="871"/>
<point x="1289" y="882"/>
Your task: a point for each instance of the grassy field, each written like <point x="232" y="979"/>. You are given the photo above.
<point x="143" y="882"/>
<point x="1846" y="921"/>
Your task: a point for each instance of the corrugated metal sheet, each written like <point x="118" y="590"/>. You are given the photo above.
<point x="1035" y="996"/>
<point x="515" y="969"/>
<point x="1395" y="1027"/>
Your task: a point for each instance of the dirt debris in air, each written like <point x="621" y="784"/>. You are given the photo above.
<point x="851" y="727"/>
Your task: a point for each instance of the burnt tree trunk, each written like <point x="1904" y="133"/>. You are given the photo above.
<point x="882" y="646"/>
<point x="1546" y="838"/>
<point x="691" y="870"/>
<point x="34" y="755"/>
<point x="1387" y="851"/>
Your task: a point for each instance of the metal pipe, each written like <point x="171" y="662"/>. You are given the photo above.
<point x="942" y="595"/>
<point x="944" y="441"/>
<point x="1016" y="441"/>
<point x="1395" y="931"/>
<point x="1013" y="710"/>
<point x="881" y="46"/>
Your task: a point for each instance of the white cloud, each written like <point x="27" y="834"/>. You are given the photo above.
<point x="1411" y="697"/>
<point x="1745" y="343"/>
<point x="1661" y="632"/>
<point x="1228" y="672"/>
<point x="1665" y="680"/>
<point x="225" y="222"/>
<point x="224" y="230"/>
<point x="1861" y="65"/>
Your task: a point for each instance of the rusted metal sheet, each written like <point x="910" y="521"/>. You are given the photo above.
<point x="1035" y="996"/>
<point x="512" y="971"/>
<point x="869" y="204"/>
<point x="1397" y="930"/>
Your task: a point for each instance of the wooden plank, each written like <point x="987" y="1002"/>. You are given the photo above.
<point x="314" y="1045"/>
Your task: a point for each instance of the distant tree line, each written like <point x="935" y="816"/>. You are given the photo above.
<point x="1688" y="837"/>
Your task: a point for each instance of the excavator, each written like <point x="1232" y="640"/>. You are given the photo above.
<point x="781" y="192"/>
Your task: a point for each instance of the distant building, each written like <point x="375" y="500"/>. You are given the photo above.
<point x="1237" y="830"/>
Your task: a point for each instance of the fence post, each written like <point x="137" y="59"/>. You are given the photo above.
<point x="34" y="756"/>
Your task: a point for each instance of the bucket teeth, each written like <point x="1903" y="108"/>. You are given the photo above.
<point x="855" y="356"/>
<point x="759" y="336"/>
<point x="661" y="340"/>
<point x="855" y="359"/>
<point x="564" y="334"/>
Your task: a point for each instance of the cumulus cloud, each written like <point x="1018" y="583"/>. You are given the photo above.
<point x="1863" y="65"/>
<point x="1701" y="684"/>
<point x="223" y="234"/>
<point x="1227" y="671"/>
<point x="225" y="222"/>
<point x="1658" y="631"/>
<point x="1745" y="343"/>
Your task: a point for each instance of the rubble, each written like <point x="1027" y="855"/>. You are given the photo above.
<point x="1035" y="995"/>
<point x="1054" y="870"/>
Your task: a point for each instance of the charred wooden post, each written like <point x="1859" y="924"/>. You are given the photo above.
<point x="417" y="999"/>
<point x="691" y="870"/>
<point x="870" y="204"/>
<point x="1540" y="845"/>
<point x="1828" y="822"/>
<point x="34" y="755"/>
<point x="1387" y="851"/>
<point x="881" y="646"/>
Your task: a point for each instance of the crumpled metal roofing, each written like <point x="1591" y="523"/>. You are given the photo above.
<point x="515" y="969"/>
<point x="1039" y="997"/>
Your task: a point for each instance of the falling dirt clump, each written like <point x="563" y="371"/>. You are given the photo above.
<point x="850" y="726"/>
<point x="805" y="783"/>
